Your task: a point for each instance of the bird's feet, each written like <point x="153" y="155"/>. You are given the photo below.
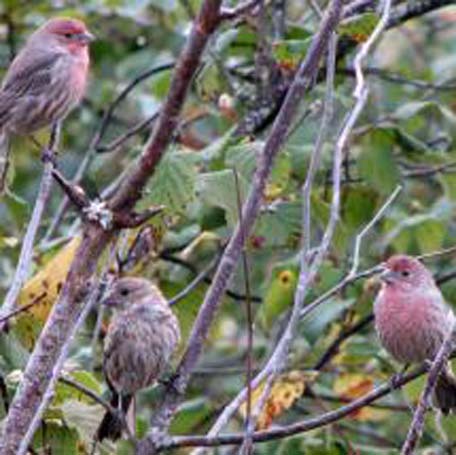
<point x="171" y="383"/>
<point x="397" y="378"/>
<point x="49" y="156"/>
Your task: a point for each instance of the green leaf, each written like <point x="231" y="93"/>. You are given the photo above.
<point x="430" y="235"/>
<point x="359" y="27"/>
<point x="376" y="163"/>
<point x="279" y="294"/>
<point x="218" y="189"/>
<point x="174" y="181"/>
<point x="84" y="419"/>
<point x="66" y="392"/>
<point x="57" y="439"/>
<point x="280" y="224"/>
<point x="290" y="52"/>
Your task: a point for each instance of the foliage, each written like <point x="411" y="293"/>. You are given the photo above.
<point x="406" y="135"/>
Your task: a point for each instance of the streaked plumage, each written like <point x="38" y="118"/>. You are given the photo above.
<point x="140" y="341"/>
<point x="45" y="81"/>
<point x="412" y="320"/>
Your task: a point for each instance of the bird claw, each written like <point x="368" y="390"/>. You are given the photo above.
<point x="396" y="379"/>
<point x="169" y="383"/>
<point x="48" y="156"/>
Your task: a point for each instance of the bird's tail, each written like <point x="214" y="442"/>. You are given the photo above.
<point x="111" y="425"/>
<point x="4" y="160"/>
<point x="445" y="391"/>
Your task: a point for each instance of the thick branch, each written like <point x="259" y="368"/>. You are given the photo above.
<point x="94" y="240"/>
<point x="300" y="85"/>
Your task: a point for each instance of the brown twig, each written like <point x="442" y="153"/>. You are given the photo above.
<point x="64" y="315"/>
<point x="417" y="425"/>
<point x="25" y="256"/>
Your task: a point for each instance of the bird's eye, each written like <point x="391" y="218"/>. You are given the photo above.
<point x="68" y="35"/>
<point x="124" y="291"/>
<point x="405" y="273"/>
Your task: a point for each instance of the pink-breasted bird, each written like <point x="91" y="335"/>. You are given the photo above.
<point x="412" y="320"/>
<point x="141" y="338"/>
<point x="44" y="82"/>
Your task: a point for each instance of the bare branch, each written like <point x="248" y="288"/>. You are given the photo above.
<point x="25" y="257"/>
<point x="65" y="379"/>
<point x="68" y="307"/>
<point x="438" y="364"/>
<point x="49" y="391"/>
<point x="249" y="422"/>
<point x="228" y="14"/>
<point x="302" y="81"/>
<point x="298" y="427"/>
<point x="368" y="227"/>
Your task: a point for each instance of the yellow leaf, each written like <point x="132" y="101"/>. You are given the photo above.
<point x="351" y="386"/>
<point x="44" y="287"/>
<point x="286" y="389"/>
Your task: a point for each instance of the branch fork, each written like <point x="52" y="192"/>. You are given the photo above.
<point x="99" y="211"/>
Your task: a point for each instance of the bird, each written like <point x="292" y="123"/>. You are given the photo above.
<point x="140" y="340"/>
<point x="44" y="82"/>
<point x="412" y="320"/>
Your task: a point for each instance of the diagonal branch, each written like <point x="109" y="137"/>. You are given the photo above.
<point x="25" y="257"/>
<point x="416" y="427"/>
<point x="298" y="427"/>
<point x="302" y="82"/>
<point x="95" y="239"/>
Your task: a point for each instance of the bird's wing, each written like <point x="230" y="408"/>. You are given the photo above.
<point x="29" y="76"/>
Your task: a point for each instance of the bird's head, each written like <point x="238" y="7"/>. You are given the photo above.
<point x="69" y="33"/>
<point x="129" y="291"/>
<point x="405" y="273"/>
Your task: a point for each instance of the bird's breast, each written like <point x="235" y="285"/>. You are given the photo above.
<point x="411" y="329"/>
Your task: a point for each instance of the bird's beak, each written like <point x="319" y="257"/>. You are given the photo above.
<point x="85" y="38"/>
<point x="388" y="276"/>
<point x="109" y="301"/>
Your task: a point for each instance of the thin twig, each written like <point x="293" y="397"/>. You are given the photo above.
<point x="65" y="379"/>
<point x="417" y="425"/>
<point x="228" y="14"/>
<point x="368" y="227"/>
<point x="26" y="254"/>
<point x="247" y="446"/>
<point x="95" y="238"/>
<point x="123" y="94"/>
<point x="298" y="427"/>
<point x="93" y="296"/>
<point x="97" y="138"/>
<point x="135" y="129"/>
<point x="436" y="254"/>
<point x="199" y="278"/>
<point x="21" y="309"/>
<point x="333" y="348"/>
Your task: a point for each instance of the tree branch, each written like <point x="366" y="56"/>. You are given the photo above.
<point x="25" y="257"/>
<point x="298" y="427"/>
<point x="438" y="364"/>
<point x="95" y="239"/>
<point x="300" y="85"/>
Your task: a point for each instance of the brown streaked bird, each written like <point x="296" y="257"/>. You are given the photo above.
<point x="141" y="338"/>
<point x="412" y="320"/>
<point x="45" y="81"/>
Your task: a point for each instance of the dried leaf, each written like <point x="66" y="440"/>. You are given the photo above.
<point x="284" y="392"/>
<point x="45" y="286"/>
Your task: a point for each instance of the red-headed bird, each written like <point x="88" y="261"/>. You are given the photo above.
<point x="412" y="320"/>
<point x="44" y="82"/>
